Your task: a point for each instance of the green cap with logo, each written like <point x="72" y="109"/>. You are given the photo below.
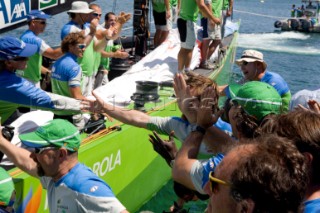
<point x="257" y="98"/>
<point x="6" y="187"/>
<point x="57" y="132"/>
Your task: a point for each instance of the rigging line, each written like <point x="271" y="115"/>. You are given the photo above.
<point x="128" y="28"/>
<point x="114" y="6"/>
<point x="257" y="14"/>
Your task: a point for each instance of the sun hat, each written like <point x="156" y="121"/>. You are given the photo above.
<point x="80" y="7"/>
<point x="11" y="47"/>
<point x="257" y="98"/>
<point x="302" y="97"/>
<point x="37" y="14"/>
<point x="6" y="187"/>
<point x="57" y="132"/>
<point x="251" y="56"/>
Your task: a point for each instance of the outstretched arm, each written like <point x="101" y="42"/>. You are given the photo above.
<point x="113" y="32"/>
<point x="131" y="117"/>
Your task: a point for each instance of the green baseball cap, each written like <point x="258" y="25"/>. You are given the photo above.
<point x="57" y="132"/>
<point x="6" y="187"/>
<point x="257" y="98"/>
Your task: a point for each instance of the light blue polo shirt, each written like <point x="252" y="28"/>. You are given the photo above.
<point x="80" y="190"/>
<point x="66" y="73"/>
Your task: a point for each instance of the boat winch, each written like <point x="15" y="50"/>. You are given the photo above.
<point x="146" y="91"/>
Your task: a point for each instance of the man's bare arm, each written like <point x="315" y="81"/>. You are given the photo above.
<point x="19" y="156"/>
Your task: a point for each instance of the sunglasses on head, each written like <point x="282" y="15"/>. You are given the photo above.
<point x="96" y="14"/>
<point x="40" y="150"/>
<point x="20" y="59"/>
<point x="82" y="46"/>
<point x="214" y="182"/>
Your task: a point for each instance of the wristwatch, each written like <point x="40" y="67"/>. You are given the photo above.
<point x="199" y="129"/>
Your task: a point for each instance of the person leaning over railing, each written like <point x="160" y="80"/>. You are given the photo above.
<point x="242" y="180"/>
<point x="16" y="91"/>
<point x="70" y="185"/>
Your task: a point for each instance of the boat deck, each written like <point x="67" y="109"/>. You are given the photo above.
<point x="225" y="43"/>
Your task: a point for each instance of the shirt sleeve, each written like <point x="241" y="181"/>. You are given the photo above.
<point x="43" y="47"/>
<point x="88" y="203"/>
<point x="164" y="125"/>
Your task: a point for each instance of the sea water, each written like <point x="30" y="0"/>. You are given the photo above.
<point x="295" y="56"/>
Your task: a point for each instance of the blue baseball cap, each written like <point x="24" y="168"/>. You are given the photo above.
<point x="11" y="47"/>
<point x="37" y="14"/>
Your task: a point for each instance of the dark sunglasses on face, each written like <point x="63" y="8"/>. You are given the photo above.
<point x="20" y="59"/>
<point x="245" y="63"/>
<point x="214" y="182"/>
<point x="97" y="14"/>
<point x="41" y="22"/>
<point x="82" y="46"/>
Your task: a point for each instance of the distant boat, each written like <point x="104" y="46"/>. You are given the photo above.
<point x="308" y="22"/>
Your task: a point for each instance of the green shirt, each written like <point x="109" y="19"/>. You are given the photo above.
<point x="216" y="7"/>
<point x="87" y="61"/>
<point x="158" y="6"/>
<point x="225" y="4"/>
<point x="97" y="60"/>
<point x="105" y="62"/>
<point x="173" y="2"/>
<point x="33" y="70"/>
<point x="189" y="10"/>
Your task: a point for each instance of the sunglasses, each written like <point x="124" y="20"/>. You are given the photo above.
<point x="20" y="59"/>
<point x="245" y="63"/>
<point x="40" y="150"/>
<point x="214" y="182"/>
<point x="82" y="46"/>
<point x="41" y="22"/>
<point x="96" y="14"/>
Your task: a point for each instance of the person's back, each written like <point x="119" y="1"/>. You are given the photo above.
<point x="280" y="85"/>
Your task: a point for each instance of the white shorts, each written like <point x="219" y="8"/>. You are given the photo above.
<point x="87" y="83"/>
<point x="187" y="33"/>
<point x="209" y="32"/>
